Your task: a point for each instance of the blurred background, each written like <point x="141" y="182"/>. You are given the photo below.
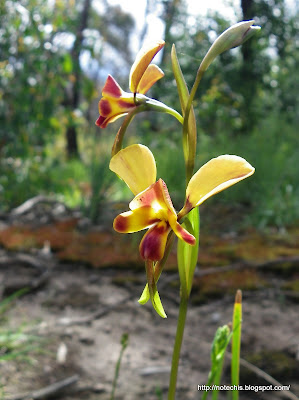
<point x="58" y="196"/>
<point x="55" y="56"/>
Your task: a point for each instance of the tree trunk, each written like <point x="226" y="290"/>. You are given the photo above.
<point x="73" y="100"/>
<point x="247" y="73"/>
<point x="171" y="9"/>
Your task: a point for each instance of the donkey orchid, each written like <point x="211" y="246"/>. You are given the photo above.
<point x="152" y="207"/>
<point x="115" y="102"/>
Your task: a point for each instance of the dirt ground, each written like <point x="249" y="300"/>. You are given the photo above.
<point x="78" y="315"/>
<point x="90" y="350"/>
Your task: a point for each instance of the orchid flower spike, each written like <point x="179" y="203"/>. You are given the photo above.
<point x="152" y="207"/>
<point x="115" y="102"/>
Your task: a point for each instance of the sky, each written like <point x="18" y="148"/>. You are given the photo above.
<point x="228" y="8"/>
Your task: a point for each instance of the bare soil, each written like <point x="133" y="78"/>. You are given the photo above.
<point x="80" y="313"/>
<point x="57" y="311"/>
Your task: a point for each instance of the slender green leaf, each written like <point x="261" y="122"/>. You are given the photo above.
<point x="7" y="302"/>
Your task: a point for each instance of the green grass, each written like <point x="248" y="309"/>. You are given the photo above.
<point x="272" y="193"/>
<point x="15" y="343"/>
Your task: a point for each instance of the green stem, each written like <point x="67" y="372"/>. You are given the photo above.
<point x="177" y="347"/>
<point x="150" y="105"/>
<point x="199" y="75"/>
<point x="117" y="145"/>
<point x="217" y="379"/>
<point x="156" y="105"/>
<point x="124" y="343"/>
<point x="190" y="164"/>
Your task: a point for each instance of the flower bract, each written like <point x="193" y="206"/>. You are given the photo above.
<point x="115" y="102"/>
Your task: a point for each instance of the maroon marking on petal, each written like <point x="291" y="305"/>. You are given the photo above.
<point x="188" y="238"/>
<point x="101" y="122"/>
<point x="120" y="224"/>
<point x="112" y="88"/>
<point x="151" y="247"/>
<point x="185" y="235"/>
<point x="188" y="206"/>
<point x="125" y="104"/>
<point x="166" y="194"/>
<point x="104" y="107"/>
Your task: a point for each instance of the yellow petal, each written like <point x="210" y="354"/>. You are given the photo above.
<point x="151" y="75"/>
<point x="135" y="221"/>
<point x="143" y="59"/>
<point x="109" y="107"/>
<point x="215" y="176"/>
<point x="136" y="166"/>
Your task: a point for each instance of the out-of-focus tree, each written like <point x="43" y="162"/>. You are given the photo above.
<point x="50" y="57"/>
<point x="260" y="54"/>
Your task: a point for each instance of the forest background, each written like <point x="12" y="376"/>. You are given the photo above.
<point x="55" y="57"/>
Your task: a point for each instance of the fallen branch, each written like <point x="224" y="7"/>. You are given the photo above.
<point x="37" y="263"/>
<point x="26" y="259"/>
<point x="31" y="203"/>
<point x="46" y="391"/>
<point x="94" y="316"/>
<point x="268" y="378"/>
<point x="246" y="265"/>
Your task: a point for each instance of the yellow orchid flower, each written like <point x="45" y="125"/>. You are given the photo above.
<point x="152" y="207"/>
<point x="115" y="102"/>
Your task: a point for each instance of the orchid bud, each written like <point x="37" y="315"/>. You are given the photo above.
<point x="230" y="38"/>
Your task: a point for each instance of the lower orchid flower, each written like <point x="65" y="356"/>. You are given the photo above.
<point x="152" y="207"/>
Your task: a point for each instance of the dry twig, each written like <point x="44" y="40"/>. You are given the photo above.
<point x="46" y="391"/>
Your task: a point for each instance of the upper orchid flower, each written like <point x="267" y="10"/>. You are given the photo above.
<point x="152" y="207"/>
<point x="115" y="102"/>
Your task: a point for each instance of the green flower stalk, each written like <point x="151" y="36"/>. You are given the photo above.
<point x="151" y="209"/>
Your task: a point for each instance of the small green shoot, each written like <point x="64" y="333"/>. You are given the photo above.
<point x="124" y="343"/>
<point x="221" y="340"/>
<point x="159" y="393"/>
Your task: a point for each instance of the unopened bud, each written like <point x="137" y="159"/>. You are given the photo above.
<point x="232" y="37"/>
